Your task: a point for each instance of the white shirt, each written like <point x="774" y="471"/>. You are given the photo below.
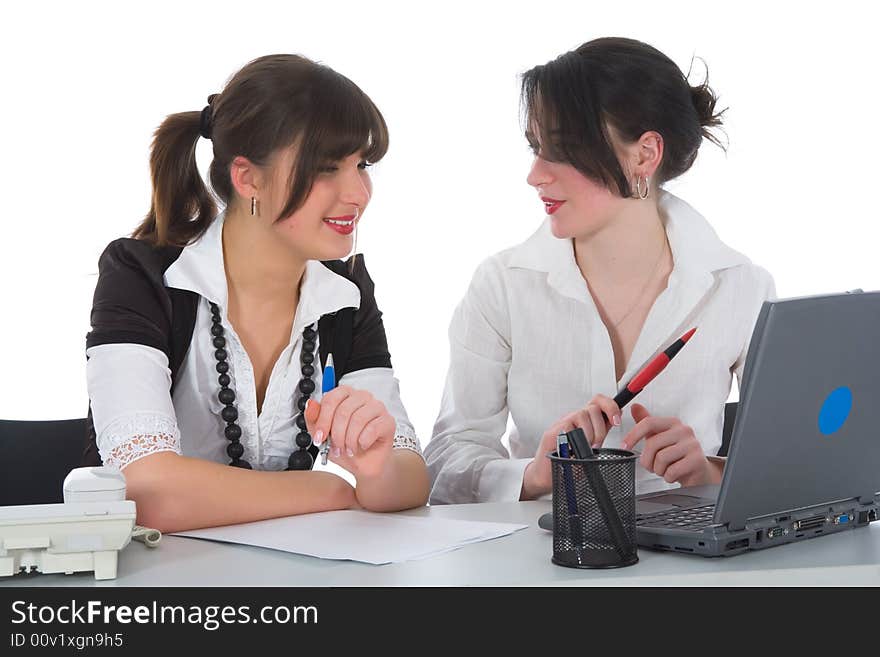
<point x="135" y="415"/>
<point x="528" y="341"/>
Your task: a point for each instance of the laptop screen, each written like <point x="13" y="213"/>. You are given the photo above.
<point x="808" y="425"/>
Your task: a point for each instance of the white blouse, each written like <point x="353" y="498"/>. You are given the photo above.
<point x="527" y="342"/>
<point x="135" y="414"/>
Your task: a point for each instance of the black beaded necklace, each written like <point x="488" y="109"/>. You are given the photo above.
<point x="301" y="458"/>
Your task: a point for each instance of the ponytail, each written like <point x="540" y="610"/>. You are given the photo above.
<point x="181" y="208"/>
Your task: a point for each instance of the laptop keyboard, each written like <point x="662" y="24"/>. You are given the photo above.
<point x="692" y="519"/>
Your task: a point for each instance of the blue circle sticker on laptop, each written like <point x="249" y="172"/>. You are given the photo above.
<point x="835" y="410"/>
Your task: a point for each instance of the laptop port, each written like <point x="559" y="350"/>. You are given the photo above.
<point x="734" y="545"/>
<point x="867" y="516"/>
<point x="776" y="532"/>
<point x="810" y="523"/>
<point x="843" y="518"/>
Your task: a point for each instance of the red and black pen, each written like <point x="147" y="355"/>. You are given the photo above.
<point x="651" y="370"/>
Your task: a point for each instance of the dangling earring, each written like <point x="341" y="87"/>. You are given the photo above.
<point x="639" y="187"/>
<point x="255" y="212"/>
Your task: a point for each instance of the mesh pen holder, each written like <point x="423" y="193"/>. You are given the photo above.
<point x="594" y="510"/>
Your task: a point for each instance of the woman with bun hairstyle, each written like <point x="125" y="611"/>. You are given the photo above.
<point x="210" y="330"/>
<point x="550" y="330"/>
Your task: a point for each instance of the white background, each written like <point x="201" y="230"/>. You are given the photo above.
<point x="83" y="87"/>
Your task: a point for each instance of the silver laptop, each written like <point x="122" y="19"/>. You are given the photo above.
<point x="804" y="455"/>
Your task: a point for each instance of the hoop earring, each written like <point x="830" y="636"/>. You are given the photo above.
<point x="255" y="212"/>
<point x="639" y="187"/>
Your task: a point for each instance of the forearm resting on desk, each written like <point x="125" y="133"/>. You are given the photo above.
<point x="403" y="484"/>
<point x="177" y="493"/>
<point x="531" y="490"/>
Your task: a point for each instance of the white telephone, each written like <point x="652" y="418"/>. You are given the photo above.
<point x="84" y="533"/>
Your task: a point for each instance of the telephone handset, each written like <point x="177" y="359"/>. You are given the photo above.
<point x="83" y="533"/>
<point x="104" y="483"/>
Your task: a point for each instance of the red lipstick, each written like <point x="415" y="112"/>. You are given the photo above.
<point x="551" y="205"/>
<point x="343" y="225"/>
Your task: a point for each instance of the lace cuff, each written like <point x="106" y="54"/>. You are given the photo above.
<point x="405" y="438"/>
<point x="133" y="437"/>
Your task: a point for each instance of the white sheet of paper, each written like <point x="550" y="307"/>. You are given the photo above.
<point x="376" y="538"/>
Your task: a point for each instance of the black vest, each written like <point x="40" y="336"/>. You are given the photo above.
<point x="132" y="305"/>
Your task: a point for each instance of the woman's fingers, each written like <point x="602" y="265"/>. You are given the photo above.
<point x="379" y="426"/>
<point x="666" y="457"/>
<point x="645" y="428"/>
<point x="581" y="420"/>
<point x="352" y="419"/>
<point x="597" y="423"/>
<point x="313" y="410"/>
<point x="327" y="410"/>
<point x="686" y="468"/>
<point x="341" y="436"/>
<point x="653" y="444"/>
<point x="610" y="408"/>
<point x="670" y="449"/>
<point x="357" y="436"/>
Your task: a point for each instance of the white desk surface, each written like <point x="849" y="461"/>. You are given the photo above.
<point x="522" y="559"/>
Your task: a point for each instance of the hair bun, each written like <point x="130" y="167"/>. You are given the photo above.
<point x="704" y="101"/>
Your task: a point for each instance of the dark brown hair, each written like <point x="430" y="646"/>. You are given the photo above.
<point x="273" y="102"/>
<point x="628" y="85"/>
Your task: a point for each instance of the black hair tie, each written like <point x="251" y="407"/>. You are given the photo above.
<point x="206" y="120"/>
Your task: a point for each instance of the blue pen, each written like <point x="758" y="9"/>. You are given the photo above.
<point x="573" y="515"/>
<point x="328" y="382"/>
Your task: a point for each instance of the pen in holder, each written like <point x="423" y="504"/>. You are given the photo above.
<point x="594" y="510"/>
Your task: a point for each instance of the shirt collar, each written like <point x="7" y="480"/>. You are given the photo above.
<point x="696" y="248"/>
<point x="200" y="269"/>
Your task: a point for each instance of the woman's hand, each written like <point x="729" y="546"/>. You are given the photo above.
<point x="359" y="428"/>
<point x="671" y="450"/>
<point x="537" y="478"/>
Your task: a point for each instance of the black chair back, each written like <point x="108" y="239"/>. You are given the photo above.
<point x="729" y="419"/>
<point x="36" y="457"/>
